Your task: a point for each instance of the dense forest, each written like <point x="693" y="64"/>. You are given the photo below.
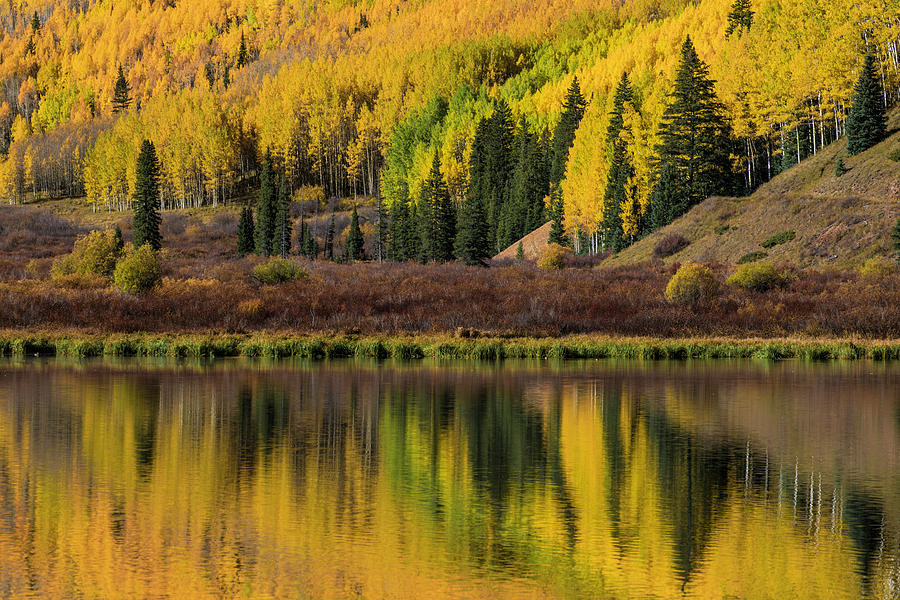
<point x="467" y="124"/>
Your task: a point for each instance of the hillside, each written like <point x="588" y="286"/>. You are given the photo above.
<point x="838" y="222"/>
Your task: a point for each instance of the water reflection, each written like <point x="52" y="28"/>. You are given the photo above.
<point x="347" y="479"/>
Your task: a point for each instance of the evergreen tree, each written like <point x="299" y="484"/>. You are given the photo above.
<point x="620" y="172"/>
<point x="437" y="216"/>
<point x="119" y="239"/>
<point x="740" y="18"/>
<point x="35" y="23"/>
<point x="895" y="236"/>
<point x="329" y="239"/>
<point x="564" y="134"/>
<point x="665" y="202"/>
<point x="696" y="137"/>
<point x="473" y="244"/>
<point x="266" y="210"/>
<point x="355" y="243"/>
<point x="867" y="123"/>
<point x="283" y="228"/>
<point x="243" y="56"/>
<point x="403" y="236"/>
<point x="308" y="245"/>
<point x="527" y="190"/>
<point x="520" y="252"/>
<point x="246" y="243"/>
<point x="381" y="230"/>
<point x="557" y="212"/>
<point x="121" y="94"/>
<point x="839" y="168"/>
<point x="146" y="198"/>
<point x="30" y="47"/>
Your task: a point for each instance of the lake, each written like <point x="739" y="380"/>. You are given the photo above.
<point x="348" y="479"/>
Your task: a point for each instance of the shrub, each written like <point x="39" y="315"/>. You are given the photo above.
<point x="93" y="254"/>
<point x="554" y="257"/>
<point x="278" y="270"/>
<point x="752" y="257"/>
<point x="669" y="245"/>
<point x="758" y="277"/>
<point x="690" y="284"/>
<point x="719" y="230"/>
<point x="894" y="155"/>
<point x="839" y="168"/>
<point x="878" y="267"/>
<point x="779" y="238"/>
<point x="138" y="271"/>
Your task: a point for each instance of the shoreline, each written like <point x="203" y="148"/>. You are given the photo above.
<point x="414" y="347"/>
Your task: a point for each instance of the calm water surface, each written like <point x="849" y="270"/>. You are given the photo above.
<point x="136" y="479"/>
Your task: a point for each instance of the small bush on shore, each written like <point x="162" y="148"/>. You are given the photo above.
<point x="758" y="277"/>
<point x="779" y="238"/>
<point x="94" y="254"/>
<point x="138" y="271"/>
<point x="278" y="270"/>
<point x="670" y="245"/>
<point x="692" y="283"/>
<point x="554" y="257"/>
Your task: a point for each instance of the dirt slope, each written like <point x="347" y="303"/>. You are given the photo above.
<point x="532" y="244"/>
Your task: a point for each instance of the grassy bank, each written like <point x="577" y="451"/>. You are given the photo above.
<point x="416" y="347"/>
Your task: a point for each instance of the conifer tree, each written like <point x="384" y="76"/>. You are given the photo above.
<point x="527" y="189"/>
<point x="665" y="202"/>
<point x="121" y="93"/>
<point x="283" y="228"/>
<point x="119" y="239"/>
<point x="557" y="229"/>
<point x="740" y="18"/>
<point x="146" y="198"/>
<point x="520" y="252"/>
<point x="30" y="47"/>
<point x="381" y="230"/>
<point x="867" y="123"/>
<point x="696" y="137"/>
<point x="403" y="244"/>
<point x="895" y="236"/>
<point x="35" y="23"/>
<point x="246" y="243"/>
<point x="266" y="210"/>
<point x="564" y="134"/>
<point x="243" y="56"/>
<point x="620" y="171"/>
<point x="355" y="243"/>
<point x="329" y="239"/>
<point x="437" y="217"/>
<point x="473" y="244"/>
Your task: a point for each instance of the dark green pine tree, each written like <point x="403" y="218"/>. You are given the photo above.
<point x="403" y="235"/>
<point x="308" y="245"/>
<point x="620" y="171"/>
<point x="283" y="226"/>
<point x="119" y="239"/>
<point x="501" y="137"/>
<point x="243" y="56"/>
<point x="665" y="202"/>
<point x="30" y="47"/>
<point x="740" y="18"/>
<point x="246" y="242"/>
<point x="557" y="211"/>
<point x="329" y="239"/>
<point x="266" y="210"/>
<point x="35" y="23"/>
<point x="355" y="244"/>
<point x="696" y="137"/>
<point x="867" y="123"/>
<point x="527" y="189"/>
<point x="381" y="230"/>
<point x="146" y="198"/>
<point x="473" y="243"/>
<point x="438" y="217"/>
<point x="121" y="93"/>
<point x="564" y="134"/>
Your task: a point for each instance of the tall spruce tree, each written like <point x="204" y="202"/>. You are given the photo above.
<point x="355" y="243"/>
<point x="621" y="170"/>
<point x="527" y="189"/>
<point x="403" y="232"/>
<point x="867" y="123"/>
<point x="329" y="239"/>
<point x="696" y="137"/>
<point x="35" y="23"/>
<point x="665" y="202"/>
<point x="473" y="243"/>
<point x="246" y="243"/>
<point x="564" y="134"/>
<point x="146" y="198"/>
<point x="121" y="93"/>
<point x="557" y="213"/>
<point x="740" y="18"/>
<point x="266" y="210"/>
<point x="283" y="225"/>
<point x="243" y="56"/>
<point x="437" y="216"/>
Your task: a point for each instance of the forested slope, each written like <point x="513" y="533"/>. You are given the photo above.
<point x="357" y="98"/>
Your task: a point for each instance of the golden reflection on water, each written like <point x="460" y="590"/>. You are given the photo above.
<point x="238" y="479"/>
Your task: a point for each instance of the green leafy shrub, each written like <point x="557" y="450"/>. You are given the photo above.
<point x="752" y="257"/>
<point x="93" y="254"/>
<point x="779" y="238"/>
<point x="758" y="277"/>
<point x="894" y="155"/>
<point x="878" y="267"/>
<point x="554" y="257"/>
<point x="669" y="245"/>
<point x="138" y="271"/>
<point x="278" y="270"/>
<point x="692" y="283"/>
<point x="722" y="229"/>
